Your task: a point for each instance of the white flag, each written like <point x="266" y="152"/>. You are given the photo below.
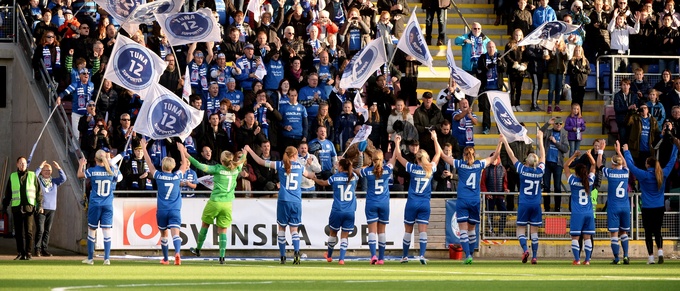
<point x="133" y="66"/>
<point x="207" y="181"/>
<point x="467" y="83"/>
<point x="186" y="90"/>
<point x="119" y="10"/>
<point x="362" y="134"/>
<point x="254" y="6"/>
<point x="363" y="65"/>
<point x="412" y="42"/>
<point x="548" y="32"/>
<point x="185" y="28"/>
<point x="164" y="115"/>
<point x="505" y="118"/>
<point x="145" y="13"/>
<point x="359" y="106"/>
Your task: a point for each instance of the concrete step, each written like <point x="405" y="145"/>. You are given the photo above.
<point x="453" y="18"/>
<point x="532" y="128"/>
<point x="459" y="29"/>
<point x="541" y="116"/>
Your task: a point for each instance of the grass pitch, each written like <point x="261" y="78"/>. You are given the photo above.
<point x="320" y="275"/>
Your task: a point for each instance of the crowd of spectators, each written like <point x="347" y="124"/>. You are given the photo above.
<point x="304" y="49"/>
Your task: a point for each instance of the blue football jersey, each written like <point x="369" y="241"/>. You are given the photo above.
<point x="469" y="179"/>
<point x="344" y="197"/>
<point x="103" y="185"/>
<point x="617" y="191"/>
<point x="169" y="197"/>
<point x="580" y="200"/>
<point x="420" y="187"/>
<point x="378" y="189"/>
<point x="290" y="183"/>
<point x="530" y="180"/>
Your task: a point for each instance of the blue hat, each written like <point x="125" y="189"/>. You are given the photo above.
<point x="198" y="54"/>
<point x="249" y="46"/>
<point x="231" y="80"/>
<point x="221" y="55"/>
<point x="84" y="71"/>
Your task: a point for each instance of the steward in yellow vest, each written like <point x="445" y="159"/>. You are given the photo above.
<point x="24" y="196"/>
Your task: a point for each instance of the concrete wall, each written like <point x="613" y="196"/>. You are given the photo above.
<point x="20" y="125"/>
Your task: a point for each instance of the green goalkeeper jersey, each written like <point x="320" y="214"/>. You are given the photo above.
<point x="224" y="180"/>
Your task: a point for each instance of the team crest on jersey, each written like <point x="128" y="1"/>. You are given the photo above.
<point x="133" y="66"/>
<point x="168" y="116"/>
<point x="189" y="26"/>
<point x="139" y="224"/>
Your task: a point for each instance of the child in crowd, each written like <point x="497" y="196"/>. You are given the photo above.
<point x="575" y="125"/>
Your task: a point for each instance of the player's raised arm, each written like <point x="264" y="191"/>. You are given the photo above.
<point x="511" y="154"/>
<point x="258" y="160"/>
<point x="495" y="154"/>
<point x="437" y="149"/>
<point x="147" y="159"/>
<point x="397" y="151"/>
<point x="541" y="147"/>
<point x="184" y="164"/>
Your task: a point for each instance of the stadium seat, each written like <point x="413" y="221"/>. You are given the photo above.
<point x="609" y="121"/>
<point x="653" y="69"/>
<point x="593" y="71"/>
<point x="605" y="69"/>
<point x="591" y="83"/>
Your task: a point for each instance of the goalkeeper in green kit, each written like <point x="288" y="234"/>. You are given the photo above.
<point x="218" y="208"/>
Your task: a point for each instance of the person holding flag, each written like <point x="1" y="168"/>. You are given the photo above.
<point x="489" y="68"/>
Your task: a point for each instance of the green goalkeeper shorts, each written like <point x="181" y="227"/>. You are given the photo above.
<point x="218" y="213"/>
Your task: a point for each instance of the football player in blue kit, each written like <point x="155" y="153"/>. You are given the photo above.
<point x="289" y="205"/>
<point x="377" y="202"/>
<point x="582" y="216"/>
<point x="169" y="200"/>
<point x="529" y="209"/>
<point x="618" y="204"/>
<point x="419" y="193"/>
<point x="100" y="208"/>
<point x="344" y="184"/>
<point x="467" y="206"/>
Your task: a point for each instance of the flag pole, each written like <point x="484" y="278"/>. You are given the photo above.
<point x="99" y="90"/>
<point x="127" y="143"/>
<point x="179" y="71"/>
<point x="30" y="157"/>
<point x="505" y="53"/>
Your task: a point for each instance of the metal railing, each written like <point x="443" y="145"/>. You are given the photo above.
<point x="48" y="89"/>
<point x="502" y="224"/>
<point x="615" y="77"/>
<point x="497" y="225"/>
<point x="7" y="26"/>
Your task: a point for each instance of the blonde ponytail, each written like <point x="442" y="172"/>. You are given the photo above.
<point x="469" y="155"/>
<point x="378" y="160"/>
<point x="102" y="157"/>
<point x="424" y="161"/>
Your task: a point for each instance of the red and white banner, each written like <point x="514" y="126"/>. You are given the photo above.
<point x="254" y="225"/>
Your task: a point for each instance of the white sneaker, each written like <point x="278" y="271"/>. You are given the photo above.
<point x="519" y="109"/>
<point x="514" y="108"/>
<point x="107" y="262"/>
<point x="650" y="261"/>
<point x="423" y="260"/>
<point x="88" y="261"/>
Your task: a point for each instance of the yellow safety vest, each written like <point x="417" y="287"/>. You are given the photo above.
<point x="16" y="186"/>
